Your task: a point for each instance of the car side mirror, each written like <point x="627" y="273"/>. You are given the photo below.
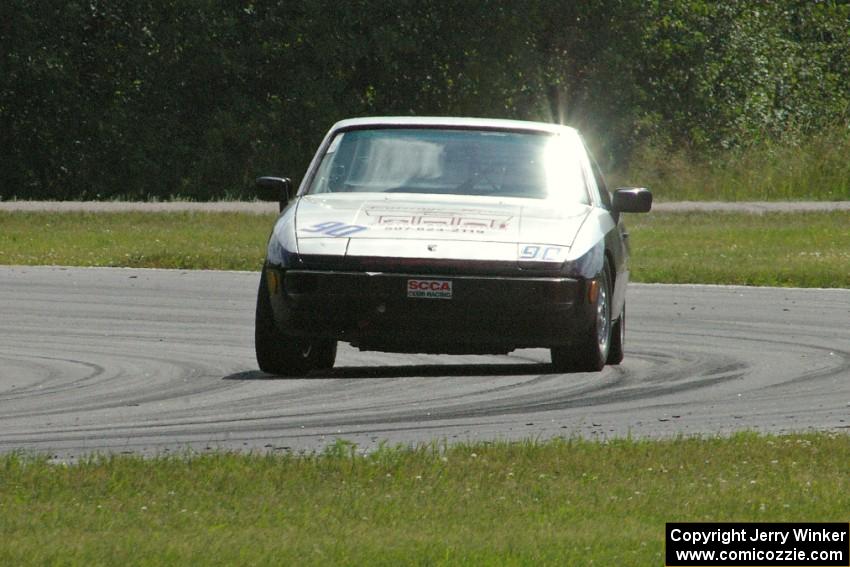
<point x="278" y="189"/>
<point x="632" y="200"/>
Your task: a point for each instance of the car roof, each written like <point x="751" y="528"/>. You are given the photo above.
<point x="450" y="122"/>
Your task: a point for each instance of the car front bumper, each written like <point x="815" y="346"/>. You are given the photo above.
<point x="372" y="310"/>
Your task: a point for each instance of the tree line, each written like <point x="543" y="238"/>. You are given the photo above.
<point x="153" y="99"/>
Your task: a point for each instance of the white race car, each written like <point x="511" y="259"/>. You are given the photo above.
<point x="446" y="235"/>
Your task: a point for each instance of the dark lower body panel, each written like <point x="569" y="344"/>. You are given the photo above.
<point x="484" y="315"/>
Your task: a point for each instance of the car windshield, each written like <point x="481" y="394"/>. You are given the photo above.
<point x="453" y="162"/>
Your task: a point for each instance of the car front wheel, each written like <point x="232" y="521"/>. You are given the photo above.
<point x="279" y="353"/>
<point x="618" y="340"/>
<point x="590" y="352"/>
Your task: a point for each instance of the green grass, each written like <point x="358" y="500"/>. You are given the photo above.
<point x="780" y="249"/>
<point x="564" y="502"/>
<point x="816" y="168"/>
<point x="220" y="241"/>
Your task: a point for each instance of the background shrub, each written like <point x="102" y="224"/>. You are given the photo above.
<point x="156" y="99"/>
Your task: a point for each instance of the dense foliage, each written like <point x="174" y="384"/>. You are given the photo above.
<point x="194" y="98"/>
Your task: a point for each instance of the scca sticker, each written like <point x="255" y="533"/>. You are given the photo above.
<point x="432" y="289"/>
<point x="542" y="253"/>
<point x="334" y="228"/>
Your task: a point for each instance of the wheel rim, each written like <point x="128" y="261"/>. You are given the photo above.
<point x="603" y="317"/>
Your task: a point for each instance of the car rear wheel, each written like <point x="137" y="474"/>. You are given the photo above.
<point x="590" y="353"/>
<point x="279" y="353"/>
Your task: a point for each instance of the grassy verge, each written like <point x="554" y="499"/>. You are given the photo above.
<point x="781" y="249"/>
<point x="219" y="241"/>
<point x="558" y="503"/>
<point x="785" y="249"/>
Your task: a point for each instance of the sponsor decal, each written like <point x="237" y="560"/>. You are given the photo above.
<point x="469" y="221"/>
<point x="431" y="289"/>
<point x="334" y="228"/>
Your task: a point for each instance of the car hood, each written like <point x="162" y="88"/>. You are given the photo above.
<point x="435" y="226"/>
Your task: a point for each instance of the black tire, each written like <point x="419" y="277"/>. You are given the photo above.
<point x="324" y="354"/>
<point x="590" y="353"/>
<point x="618" y="340"/>
<point x="279" y="353"/>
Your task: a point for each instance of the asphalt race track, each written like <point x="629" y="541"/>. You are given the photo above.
<point x="161" y="361"/>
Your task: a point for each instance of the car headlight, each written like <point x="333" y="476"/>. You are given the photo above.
<point x="541" y="256"/>
<point x="282" y="249"/>
<point x="588" y="265"/>
<point x="544" y="257"/>
<point x="277" y="255"/>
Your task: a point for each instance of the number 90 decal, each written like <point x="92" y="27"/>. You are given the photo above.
<point x="542" y="253"/>
<point x="334" y="228"/>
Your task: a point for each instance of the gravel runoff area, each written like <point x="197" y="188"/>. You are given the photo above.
<point x="259" y="207"/>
